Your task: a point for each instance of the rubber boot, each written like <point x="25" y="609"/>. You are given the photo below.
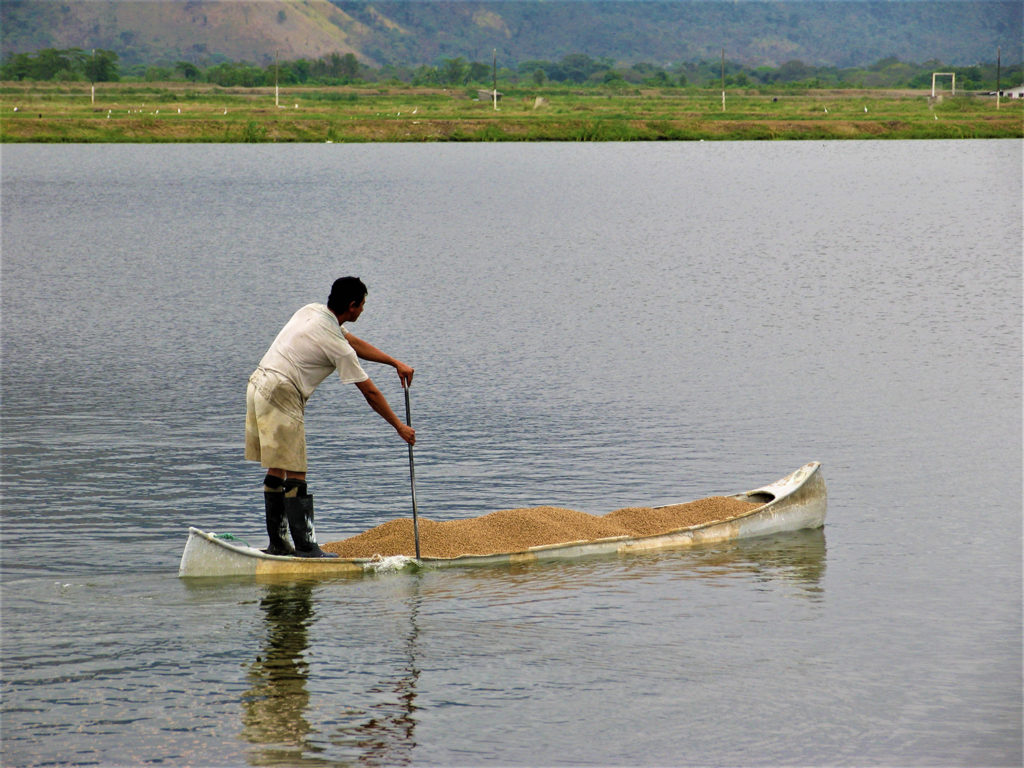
<point x="277" y="524"/>
<point x="299" y="510"/>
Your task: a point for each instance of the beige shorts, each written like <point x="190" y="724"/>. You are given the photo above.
<point x="275" y="433"/>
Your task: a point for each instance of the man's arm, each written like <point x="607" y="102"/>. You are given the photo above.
<point x="366" y="351"/>
<point x="380" y="404"/>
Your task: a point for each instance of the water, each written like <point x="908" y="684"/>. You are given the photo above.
<point x="593" y="326"/>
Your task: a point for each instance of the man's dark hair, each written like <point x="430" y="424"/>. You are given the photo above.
<point x="344" y="292"/>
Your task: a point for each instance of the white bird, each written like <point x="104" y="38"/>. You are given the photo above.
<point x="826" y="110"/>
<point x="865" y="109"/>
<point x="15" y="109"/>
<point x="225" y="111"/>
<point x="416" y="110"/>
<point x="179" y="110"/>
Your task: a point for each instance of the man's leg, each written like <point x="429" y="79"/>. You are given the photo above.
<point x="298" y="506"/>
<point x="277" y="522"/>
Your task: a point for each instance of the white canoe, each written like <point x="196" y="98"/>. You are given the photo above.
<point x="794" y="503"/>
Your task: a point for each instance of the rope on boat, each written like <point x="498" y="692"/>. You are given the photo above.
<point x="231" y="537"/>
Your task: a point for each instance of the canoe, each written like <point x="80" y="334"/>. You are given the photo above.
<point x="795" y="502"/>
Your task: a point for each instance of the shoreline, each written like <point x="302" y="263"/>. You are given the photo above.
<point x="201" y="113"/>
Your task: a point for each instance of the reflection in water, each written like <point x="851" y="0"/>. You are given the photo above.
<point x="275" y="705"/>
<point x="796" y="558"/>
<point x="378" y="728"/>
<point x="387" y="736"/>
<point x="375" y="725"/>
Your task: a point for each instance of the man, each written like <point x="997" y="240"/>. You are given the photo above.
<point x="309" y="347"/>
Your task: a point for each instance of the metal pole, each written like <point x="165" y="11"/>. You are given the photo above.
<point x="412" y="478"/>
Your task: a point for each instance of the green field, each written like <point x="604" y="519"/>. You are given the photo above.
<point x="186" y="112"/>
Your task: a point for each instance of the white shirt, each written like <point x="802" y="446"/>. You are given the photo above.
<point x="309" y="347"/>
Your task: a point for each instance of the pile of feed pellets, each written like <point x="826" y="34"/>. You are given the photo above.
<point x="516" y="530"/>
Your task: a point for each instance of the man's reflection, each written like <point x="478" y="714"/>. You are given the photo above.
<point x="276" y="702"/>
<point x="378" y="724"/>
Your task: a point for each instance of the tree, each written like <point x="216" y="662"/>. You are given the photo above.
<point x="17" y="67"/>
<point x="188" y="70"/>
<point x="793" y="71"/>
<point x="349" y="66"/>
<point x="453" y="71"/>
<point x="479" y="73"/>
<point x="102" y="66"/>
<point x="301" y="68"/>
<point x="157" y="74"/>
<point x="659" y="79"/>
<point x="426" y="76"/>
<point x="48" y="63"/>
<point x="577" y="67"/>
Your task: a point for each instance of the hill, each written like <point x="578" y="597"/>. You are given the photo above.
<point x="415" y="32"/>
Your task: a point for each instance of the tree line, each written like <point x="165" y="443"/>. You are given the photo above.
<point x="576" y="69"/>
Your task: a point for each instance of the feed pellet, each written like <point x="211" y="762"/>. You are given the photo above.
<point x="515" y="530"/>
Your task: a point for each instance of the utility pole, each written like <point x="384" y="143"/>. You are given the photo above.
<point x="723" y="79"/>
<point x="277" y="90"/>
<point x="999" y="72"/>
<point x="494" y="81"/>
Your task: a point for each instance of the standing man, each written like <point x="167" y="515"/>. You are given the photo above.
<point x="309" y="347"/>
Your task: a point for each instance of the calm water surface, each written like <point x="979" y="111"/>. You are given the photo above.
<point x="593" y="326"/>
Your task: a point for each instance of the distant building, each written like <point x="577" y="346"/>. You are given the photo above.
<point x="487" y="95"/>
<point x="1013" y="93"/>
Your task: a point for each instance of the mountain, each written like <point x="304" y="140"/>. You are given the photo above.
<point x="144" y="31"/>
<point x="415" y="32"/>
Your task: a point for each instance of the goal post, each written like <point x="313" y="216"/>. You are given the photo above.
<point x="951" y="75"/>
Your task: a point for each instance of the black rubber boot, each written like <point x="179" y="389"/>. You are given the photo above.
<point x="299" y="510"/>
<point x="277" y="525"/>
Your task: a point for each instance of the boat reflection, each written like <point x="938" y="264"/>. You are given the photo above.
<point x="795" y="559"/>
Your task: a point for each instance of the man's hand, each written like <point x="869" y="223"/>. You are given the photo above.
<point x="405" y="373"/>
<point x="407" y="433"/>
<point x="366" y="351"/>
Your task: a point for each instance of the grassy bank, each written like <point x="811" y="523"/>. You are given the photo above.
<point x="185" y="112"/>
